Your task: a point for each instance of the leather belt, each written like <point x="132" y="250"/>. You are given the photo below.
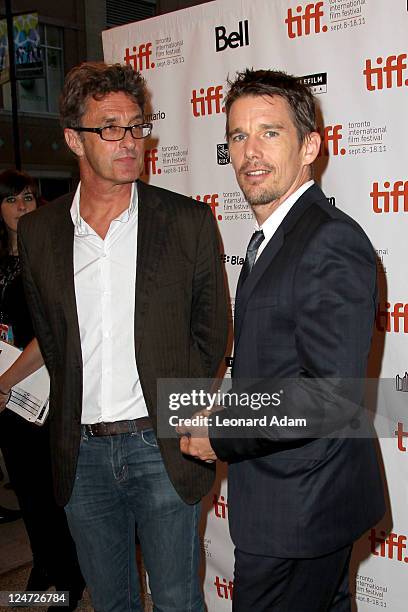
<point x="118" y="427"/>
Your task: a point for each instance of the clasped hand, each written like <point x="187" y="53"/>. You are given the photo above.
<point x="195" y="440"/>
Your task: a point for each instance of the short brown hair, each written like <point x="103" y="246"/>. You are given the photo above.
<point x="275" y="83"/>
<point x="97" y="79"/>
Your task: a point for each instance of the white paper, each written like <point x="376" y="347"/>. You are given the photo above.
<point x="29" y="399"/>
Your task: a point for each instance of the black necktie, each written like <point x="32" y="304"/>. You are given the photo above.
<point x="253" y="246"/>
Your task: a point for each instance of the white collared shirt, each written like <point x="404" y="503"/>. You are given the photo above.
<point x="105" y="280"/>
<point x="274" y="220"/>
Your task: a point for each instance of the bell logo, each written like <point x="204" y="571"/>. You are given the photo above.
<point x="389" y="317"/>
<point x="387" y="545"/>
<point x="234" y="40"/>
<point x="301" y="24"/>
<point x="330" y="141"/>
<point x="208" y="102"/>
<point x="150" y="159"/>
<point x="401" y="434"/>
<point x="394" y="65"/>
<point x="382" y="198"/>
<point x="220" y="506"/>
<point x="212" y="201"/>
<point x="224" y="589"/>
<point x="140" y="58"/>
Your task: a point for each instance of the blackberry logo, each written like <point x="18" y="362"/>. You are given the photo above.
<point x="401" y="383"/>
<point x="229" y="361"/>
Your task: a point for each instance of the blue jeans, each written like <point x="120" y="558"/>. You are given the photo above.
<point x="121" y="485"/>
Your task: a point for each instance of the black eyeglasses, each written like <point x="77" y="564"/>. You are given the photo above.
<point x="118" y="132"/>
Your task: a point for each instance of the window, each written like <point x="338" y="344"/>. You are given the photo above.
<point x="41" y="95"/>
<point x="51" y="188"/>
<point x="119" y="12"/>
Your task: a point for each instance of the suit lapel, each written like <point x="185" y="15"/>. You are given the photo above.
<point x="63" y="244"/>
<point x="152" y="223"/>
<point x="152" y="217"/>
<point x="244" y="291"/>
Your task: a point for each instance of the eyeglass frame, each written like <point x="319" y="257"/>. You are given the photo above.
<point x="99" y="130"/>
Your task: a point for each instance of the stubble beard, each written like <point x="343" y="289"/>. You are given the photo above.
<point x="259" y="196"/>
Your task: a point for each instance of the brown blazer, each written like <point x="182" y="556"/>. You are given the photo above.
<point x="180" y="317"/>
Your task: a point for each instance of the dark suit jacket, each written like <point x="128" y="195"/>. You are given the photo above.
<point x="305" y="312"/>
<point x="180" y="317"/>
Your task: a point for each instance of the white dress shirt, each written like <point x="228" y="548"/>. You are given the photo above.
<point x="272" y="223"/>
<point x="105" y="280"/>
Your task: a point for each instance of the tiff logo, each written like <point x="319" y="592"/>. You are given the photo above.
<point x="220" y="506"/>
<point x="208" y="102"/>
<point x="224" y="588"/>
<point x="140" y="58"/>
<point x="301" y="24"/>
<point x="150" y="159"/>
<point x="394" y="65"/>
<point x="382" y="199"/>
<point x="331" y="138"/>
<point x="401" y="383"/>
<point x="212" y="200"/>
<point x="401" y="434"/>
<point x="234" y="40"/>
<point x="387" y="545"/>
<point x="388" y="319"/>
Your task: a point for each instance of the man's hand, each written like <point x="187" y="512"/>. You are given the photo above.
<point x="195" y="440"/>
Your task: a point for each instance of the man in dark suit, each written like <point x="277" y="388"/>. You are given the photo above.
<point x="125" y="287"/>
<point x="304" y="314"/>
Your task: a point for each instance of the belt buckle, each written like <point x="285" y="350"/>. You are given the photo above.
<point x="104" y="427"/>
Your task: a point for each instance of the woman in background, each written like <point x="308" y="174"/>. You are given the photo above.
<point x="25" y="446"/>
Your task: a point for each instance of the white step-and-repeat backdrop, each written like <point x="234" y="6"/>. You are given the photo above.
<point x="354" y="55"/>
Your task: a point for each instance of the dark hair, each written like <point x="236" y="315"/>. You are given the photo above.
<point x="13" y="182"/>
<point x="97" y="79"/>
<point x="275" y="83"/>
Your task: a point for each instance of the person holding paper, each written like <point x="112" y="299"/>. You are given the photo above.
<point x="24" y="445"/>
<point x="125" y="286"/>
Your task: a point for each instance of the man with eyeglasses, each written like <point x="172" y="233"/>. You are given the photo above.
<point x="125" y="287"/>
